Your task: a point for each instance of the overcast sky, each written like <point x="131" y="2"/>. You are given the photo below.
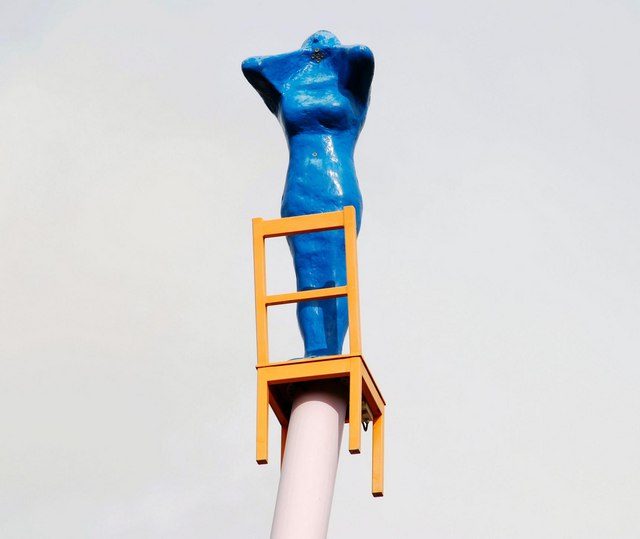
<point x="499" y="267"/>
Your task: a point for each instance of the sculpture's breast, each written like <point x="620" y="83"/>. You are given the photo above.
<point x="316" y="107"/>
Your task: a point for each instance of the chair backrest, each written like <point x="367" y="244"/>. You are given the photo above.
<point x="290" y="226"/>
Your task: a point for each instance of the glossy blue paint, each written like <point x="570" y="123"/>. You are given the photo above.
<point x="320" y="95"/>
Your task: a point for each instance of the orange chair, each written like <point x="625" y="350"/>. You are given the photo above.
<point x="365" y="400"/>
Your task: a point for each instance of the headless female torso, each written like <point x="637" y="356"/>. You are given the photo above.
<point x="320" y="95"/>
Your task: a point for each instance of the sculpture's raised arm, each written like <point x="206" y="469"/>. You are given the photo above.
<point x="358" y="73"/>
<point x="259" y="71"/>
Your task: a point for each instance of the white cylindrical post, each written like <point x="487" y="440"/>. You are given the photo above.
<point x="308" y="474"/>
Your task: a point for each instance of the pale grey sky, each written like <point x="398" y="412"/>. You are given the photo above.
<point x="499" y="264"/>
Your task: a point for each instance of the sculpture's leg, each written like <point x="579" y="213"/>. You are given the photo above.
<point x="319" y="262"/>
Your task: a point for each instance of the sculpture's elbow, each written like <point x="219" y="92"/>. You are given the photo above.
<point x="252" y="65"/>
<point x="361" y="68"/>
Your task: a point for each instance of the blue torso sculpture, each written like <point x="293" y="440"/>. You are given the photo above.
<point x="320" y="95"/>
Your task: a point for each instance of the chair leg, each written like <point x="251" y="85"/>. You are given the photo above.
<point x="355" y="405"/>
<point x="377" y="472"/>
<point x="262" y="421"/>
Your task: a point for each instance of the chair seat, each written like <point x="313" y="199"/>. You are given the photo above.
<point x="274" y="380"/>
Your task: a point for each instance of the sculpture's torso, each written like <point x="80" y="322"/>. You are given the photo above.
<point x="320" y="95"/>
<point x="321" y="125"/>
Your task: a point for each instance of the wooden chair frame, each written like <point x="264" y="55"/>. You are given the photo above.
<point x="274" y="378"/>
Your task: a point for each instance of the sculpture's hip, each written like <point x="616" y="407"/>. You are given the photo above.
<point x="321" y="176"/>
<point x="303" y="201"/>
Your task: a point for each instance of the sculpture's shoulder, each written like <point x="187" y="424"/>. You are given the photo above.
<point x="277" y="69"/>
<point x="269" y="74"/>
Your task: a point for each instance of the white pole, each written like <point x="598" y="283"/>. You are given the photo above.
<point x="308" y="474"/>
